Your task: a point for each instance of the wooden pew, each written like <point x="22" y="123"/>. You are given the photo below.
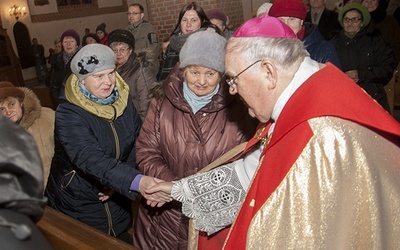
<point x="64" y="232"/>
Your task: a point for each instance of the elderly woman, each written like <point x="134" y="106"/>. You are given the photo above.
<point x="70" y="41"/>
<point x="365" y="58"/>
<point x="191" y="19"/>
<point x="190" y="123"/>
<point x="95" y="132"/>
<point x="22" y="106"/>
<point x="134" y="68"/>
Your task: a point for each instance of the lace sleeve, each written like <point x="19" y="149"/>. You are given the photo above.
<point x="211" y="199"/>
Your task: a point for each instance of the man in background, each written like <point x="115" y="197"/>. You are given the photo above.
<point x="146" y="35"/>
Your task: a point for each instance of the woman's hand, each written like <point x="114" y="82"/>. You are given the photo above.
<point x="105" y="194"/>
<point x="153" y="198"/>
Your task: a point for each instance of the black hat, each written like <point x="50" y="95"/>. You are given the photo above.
<point x="122" y="36"/>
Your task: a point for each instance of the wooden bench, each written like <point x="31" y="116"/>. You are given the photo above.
<point x="64" y="232"/>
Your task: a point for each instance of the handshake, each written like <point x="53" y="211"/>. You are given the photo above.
<point x="157" y="192"/>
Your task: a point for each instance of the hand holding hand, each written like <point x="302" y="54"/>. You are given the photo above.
<point x="156" y="198"/>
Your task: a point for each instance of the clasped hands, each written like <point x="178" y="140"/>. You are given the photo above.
<point x="157" y="192"/>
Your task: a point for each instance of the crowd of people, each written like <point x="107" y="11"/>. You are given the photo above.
<point x="274" y="135"/>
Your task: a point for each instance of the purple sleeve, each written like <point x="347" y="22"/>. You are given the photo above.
<point x="135" y="183"/>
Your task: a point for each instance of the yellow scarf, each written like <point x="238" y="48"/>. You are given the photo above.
<point x="107" y="112"/>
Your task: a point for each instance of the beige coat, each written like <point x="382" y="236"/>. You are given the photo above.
<point x="39" y="122"/>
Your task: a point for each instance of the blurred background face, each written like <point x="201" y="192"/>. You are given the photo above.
<point x="90" y="40"/>
<point x="11" y="108"/>
<point x="122" y="53"/>
<point x="293" y="22"/>
<point x="201" y="80"/>
<point x="134" y="14"/>
<point x="57" y="47"/>
<point x="371" y="5"/>
<point x="101" y="84"/>
<point x="352" y="22"/>
<point x="190" y="22"/>
<point x="218" y="23"/>
<point x="100" y="34"/>
<point x="69" y="44"/>
<point x="317" y="4"/>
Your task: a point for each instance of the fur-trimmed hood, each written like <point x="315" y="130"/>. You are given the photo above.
<point x="32" y="108"/>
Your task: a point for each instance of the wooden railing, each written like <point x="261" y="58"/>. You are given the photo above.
<point x="64" y="232"/>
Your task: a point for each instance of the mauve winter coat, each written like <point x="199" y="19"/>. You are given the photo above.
<point x="175" y="143"/>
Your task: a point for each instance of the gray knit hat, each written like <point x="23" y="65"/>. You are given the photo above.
<point x="204" y="48"/>
<point x="91" y="59"/>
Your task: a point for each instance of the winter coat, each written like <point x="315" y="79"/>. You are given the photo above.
<point x="60" y="72"/>
<point x="389" y="29"/>
<point x="146" y="39"/>
<point x="21" y="202"/>
<point x="319" y="49"/>
<point x="175" y="143"/>
<point x="39" y="122"/>
<point x="140" y="78"/>
<point x="94" y="150"/>
<point x="374" y="61"/>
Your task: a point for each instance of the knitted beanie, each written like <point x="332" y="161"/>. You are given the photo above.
<point x="204" y="48"/>
<point x="91" y="59"/>
<point x="217" y="14"/>
<point x="122" y="36"/>
<point x="71" y="33"/>
<point x="8" y="89"/>
<point x="101" y="27"/>
<point x="290" y="8"/>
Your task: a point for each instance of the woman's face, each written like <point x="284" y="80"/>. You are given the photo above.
<point x="190" y="22"/>
<point x="11" y="107"/>
<point x="122" y="53"/>
<point x="69" y="44"/>
<point x="100" y="34"/>
<point x="352" y="22"/>
<point x="90" y="40"/>
<point x="101" y="84"/>
<point x="201" y="80"/>
<point x="371" y="5"/>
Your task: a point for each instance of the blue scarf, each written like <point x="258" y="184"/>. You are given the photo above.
<point x="197" y="102"/>
<point x="107" y="101"/>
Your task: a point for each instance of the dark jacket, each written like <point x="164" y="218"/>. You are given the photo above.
<point x="93" y="153"/>
<point x="328" y="24"/>
<point x="21" y="200"/>
<point x="319" y="49"/>
<point x="387" y="27"/>
<point x="369" y="55"/>
<point x="175" y="143"/>
<point x="60" y="72"/>
<point x="140" y="78"/>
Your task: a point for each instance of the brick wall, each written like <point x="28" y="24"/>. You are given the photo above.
<point x="163" y="14"/>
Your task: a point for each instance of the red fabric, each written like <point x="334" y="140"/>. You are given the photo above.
<point x="339" y="97"/>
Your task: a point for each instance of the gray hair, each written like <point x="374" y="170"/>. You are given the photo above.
<point x="282" y="51"/>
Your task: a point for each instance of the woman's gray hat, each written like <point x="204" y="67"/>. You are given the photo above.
<point x="91" y="59"/>
<point x="204" y="48"/>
